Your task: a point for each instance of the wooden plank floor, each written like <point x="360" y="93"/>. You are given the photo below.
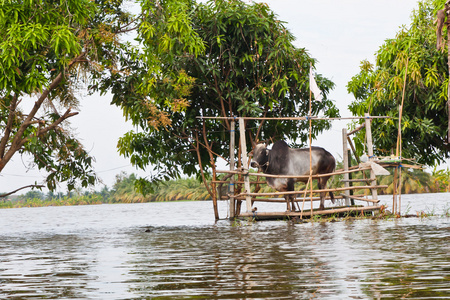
<point x="338" y="211"/>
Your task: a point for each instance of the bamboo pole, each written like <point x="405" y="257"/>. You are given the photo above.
<point x="317" y="212"/>
<point x="394" y="192"/>
<point x="232" y="165"/>
<point x="400" y="112"/>
<point x="310" y="142"/>
<point x="214" y="188"/>
<point x="295" y="176"/>
<point x="353" y="149"/>
<point x="408" y="166"/>
<point x="294" y="118"/>
<point x="357" y="180"/>
<point x="364" y="199"/>
<point x="400" y="184"/>
<point x="248" y="199"/>
<point x="361" y="187"/>
<point x="399" y="140"/>
<point x="346" y="160"/>
<point x="370" y="153"/>
<point x="236" y="181"/>
<point x="282" y="200"/>
<point x="356" y="129"/>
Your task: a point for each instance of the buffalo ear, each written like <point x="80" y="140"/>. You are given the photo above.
<point x="267" y="152"/>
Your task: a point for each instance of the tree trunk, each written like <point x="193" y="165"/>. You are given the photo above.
<point x="447" y="10"/>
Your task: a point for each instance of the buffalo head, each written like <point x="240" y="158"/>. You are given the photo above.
<point x="260" y="156"/>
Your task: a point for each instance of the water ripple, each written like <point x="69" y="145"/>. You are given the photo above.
<point x="130" y="256"/>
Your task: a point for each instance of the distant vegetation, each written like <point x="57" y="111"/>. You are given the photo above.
<point x="413" y="181"/>
<point x="121" y="192"/>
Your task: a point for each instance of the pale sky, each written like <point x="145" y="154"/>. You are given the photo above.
<point x="339" y="34"/>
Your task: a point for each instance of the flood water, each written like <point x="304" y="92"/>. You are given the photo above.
<point x="178" y="251"/>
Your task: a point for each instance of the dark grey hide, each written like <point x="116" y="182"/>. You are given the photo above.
<point x="283" y="160"/>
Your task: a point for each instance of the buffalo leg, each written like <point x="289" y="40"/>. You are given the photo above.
<point x="324" y="185"/>
<point x="290" y="198"/>
<point x="321" y="185"/>
<point x="288" y="203"/>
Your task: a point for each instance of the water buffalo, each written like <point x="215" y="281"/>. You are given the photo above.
<point x="283" y="160"/>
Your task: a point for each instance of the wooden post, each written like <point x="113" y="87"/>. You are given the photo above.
<point x="310" y="140"/>
<point x="398" y="153"/>
<point x="394" y="193"/>
<point x="310" y="158"/>
<point x="346" y="159"/>
<point x="248" y="199"/>
<point x="214" y="189"/>
<point x="399" y="205"/>
<point x="232" y="163"/>
<point x="350" y="177"/>
<point x="400" y="113"/>
<point x="373" y="181"/>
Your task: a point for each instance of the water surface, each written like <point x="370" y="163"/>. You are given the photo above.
<point x="178" y="251"/>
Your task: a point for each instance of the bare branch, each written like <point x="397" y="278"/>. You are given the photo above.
<point x="42" y="131"/>
<point x="65" y="116"/>
<point x="124" y="28"/>
<point x="197" y="148"/>
<point x="24" y="187"/>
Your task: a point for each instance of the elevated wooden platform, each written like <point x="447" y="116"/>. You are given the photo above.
<point x="341" y="211"/>
<point x="240" y="192"/>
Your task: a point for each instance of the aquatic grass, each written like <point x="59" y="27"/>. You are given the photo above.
<point x="427" y="213"/>
<point x="447" y="210"/>
<point x="236" y="223"/>
<point x="247" y="221"/>
<point x="316" y="218"/>
<point x="386" y="216"/>
<point x="408" y="209"/>
<point x="422" y="214"/>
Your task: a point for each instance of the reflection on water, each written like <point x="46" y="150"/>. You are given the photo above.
<point x="176" y="251"/>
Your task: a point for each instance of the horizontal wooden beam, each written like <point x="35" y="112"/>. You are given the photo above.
<point x="363" y="199"/>
<point x="281" y="200"/>
<point x="315" y="191"/>
<point x="396" y="164"/>
<point x="294" y="176"/>
<point x="294" y="118"/>
<point x="237" y="181"/>
<point x="356" y="180"/>
<point x="307" y="213"/>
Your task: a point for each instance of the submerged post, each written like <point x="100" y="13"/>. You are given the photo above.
<point x="248" y="199"/>
<point x="373" y="181"/>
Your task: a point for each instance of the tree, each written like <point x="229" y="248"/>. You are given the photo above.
<point x="413" y="181"/>
<point x="441" y="180"/>
<point x="48" y="49"/>
<point x="378" y="89"/>
<point x="238" y="60"/>
<point x="32" y="195"/>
